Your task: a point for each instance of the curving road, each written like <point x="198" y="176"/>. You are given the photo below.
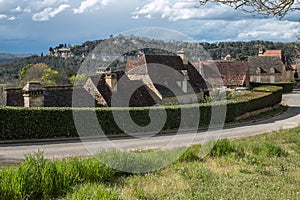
<point x="11" y="153"/>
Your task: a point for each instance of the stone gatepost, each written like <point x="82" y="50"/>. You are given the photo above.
<point x="33" y="95"/>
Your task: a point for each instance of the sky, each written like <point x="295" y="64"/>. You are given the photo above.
<point x="32" y="26"/>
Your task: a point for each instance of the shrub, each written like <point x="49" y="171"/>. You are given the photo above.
<point x="286" y="86"/>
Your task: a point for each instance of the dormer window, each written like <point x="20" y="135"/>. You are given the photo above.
<point x="183" y="84"/>
<point x="258" y="70"/>
<point x="272" y="70"/>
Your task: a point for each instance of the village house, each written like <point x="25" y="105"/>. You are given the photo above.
<point x="225" y="73"/>
<point x="270" y="66"/>
<point x="115" y="89"/>
<point x="169" y="77"/>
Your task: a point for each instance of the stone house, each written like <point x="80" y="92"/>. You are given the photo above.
<point x="270" y="66"/>
<point x="115" y="89"/>
<point x="225" y="73"/>
<point x="36" y="95"/>
<point x="170" y="78"/>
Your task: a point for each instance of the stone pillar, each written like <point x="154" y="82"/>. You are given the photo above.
<point x="33" y="94"/>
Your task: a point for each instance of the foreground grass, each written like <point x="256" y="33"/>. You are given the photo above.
<point x="260" y="167"/>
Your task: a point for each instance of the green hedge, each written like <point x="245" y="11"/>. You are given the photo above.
<point x="297" y="79"/>
<point x="287" y="86"/>
<point x="29" y="123"/>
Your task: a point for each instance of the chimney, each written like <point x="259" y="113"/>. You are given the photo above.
<point x="261" y="51"/>
<point x="33" y="95"/>
<point x="111" y="80"/>
<point x="183" y="57"/>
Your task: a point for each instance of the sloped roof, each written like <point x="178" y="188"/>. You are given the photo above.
<point x="265" y="63"/>
<point x="149" y="64"/>
<point x="277" y="53"/>
<point x="224" y="73"/>
<point x="139" y="97"/>
<point x="139" y="94"/>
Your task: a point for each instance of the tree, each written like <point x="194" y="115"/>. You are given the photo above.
<point x="78" y="79"/>
<point x="38" y="72"/>
<point x="277" y="8"/>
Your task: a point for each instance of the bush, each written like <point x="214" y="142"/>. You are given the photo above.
<point x="38" y="123"/>
<point x="286" y="86"/>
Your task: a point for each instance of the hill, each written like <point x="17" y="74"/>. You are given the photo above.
<point x="120" y="44"/>
<point x="7" y="57"/>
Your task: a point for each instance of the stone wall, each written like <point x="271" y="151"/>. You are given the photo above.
<point x="14" y="97"/>
<point x="58" y="96"/>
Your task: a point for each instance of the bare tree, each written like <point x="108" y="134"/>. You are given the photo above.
<point x="277" y="8"/>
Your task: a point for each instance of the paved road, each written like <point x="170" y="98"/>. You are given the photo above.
<point x="16" y="152"/>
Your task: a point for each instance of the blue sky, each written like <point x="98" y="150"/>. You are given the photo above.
<point x="32" y="26"/>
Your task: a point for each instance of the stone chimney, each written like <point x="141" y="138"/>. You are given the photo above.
<point x="111" y="80"/>
<point x="33" y="95"/>
<point x="183" y="57"/>
<point x="228" y="57"/>
<point x="261" y="51"/>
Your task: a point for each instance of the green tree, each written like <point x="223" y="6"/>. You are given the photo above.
<point x="78" y="79"/>
<point x="240" y="57"/>
<point x="38" y="72"/>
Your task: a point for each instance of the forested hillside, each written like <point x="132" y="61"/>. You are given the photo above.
<point x="7" y="57"/>
<point x="69" y="66"/>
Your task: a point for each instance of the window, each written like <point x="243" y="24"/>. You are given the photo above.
<point x="258" y="70"/>
<point x="272" y="79"/>
<point x="258" y="79"/>
<point x="183" y="85"/>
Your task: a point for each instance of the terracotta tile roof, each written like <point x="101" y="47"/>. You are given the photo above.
<point x="265" y="63"/>
<point x="224" y="73"/>
<point x="277" y="53"/>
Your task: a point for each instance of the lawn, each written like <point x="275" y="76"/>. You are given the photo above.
<point x="261" y="167"/>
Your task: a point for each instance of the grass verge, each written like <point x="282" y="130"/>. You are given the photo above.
<point x="259" y="167"/>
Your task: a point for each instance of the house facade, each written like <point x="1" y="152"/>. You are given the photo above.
<point x="270" y="66"/>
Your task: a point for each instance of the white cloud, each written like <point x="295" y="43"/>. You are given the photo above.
<point x="88" y="5"/>
<point x="183" y="10"/>
<point x="49" y="12"/>
<point x="17" y="9"/>
<point x="3" y="16"/>
<point x="240" y="30"/>
<point x="135" y="17"/>
<point x="12" y="18"/>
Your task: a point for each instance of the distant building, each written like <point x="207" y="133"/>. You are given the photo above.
<point x="270" y="66"/>
<point x="61" y="51"/>
<point x="224" y="73"/>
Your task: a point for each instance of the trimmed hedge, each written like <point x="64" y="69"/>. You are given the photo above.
<point x="33" y="123"/>
<point x="287" y="86"/>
